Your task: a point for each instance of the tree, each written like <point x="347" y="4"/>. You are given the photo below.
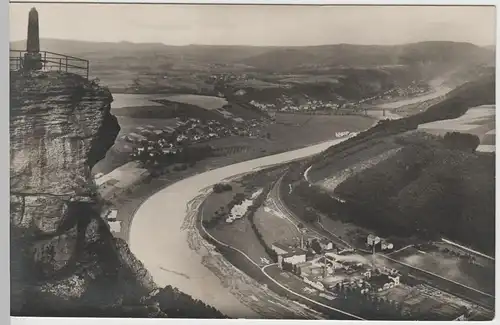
<point x="461" y="141"/>
<point x="315" y="245"/>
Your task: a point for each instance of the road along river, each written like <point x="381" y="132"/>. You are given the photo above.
<point x="159" y="238"/>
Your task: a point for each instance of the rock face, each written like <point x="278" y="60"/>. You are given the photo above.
<point x="64" y="260"/>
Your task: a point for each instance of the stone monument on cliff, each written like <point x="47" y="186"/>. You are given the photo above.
<point x="33" y="57"/>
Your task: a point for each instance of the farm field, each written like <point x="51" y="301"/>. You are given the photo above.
<point x="478" y="120"/>
<point x="245" y="113"/>
<point x="307" y="79"/>
<point x="206" y="102"/>
<point x="130" y="124"/>
<point x="254" y="83"/>
<point x="274" y="228"/>
<point x="421" y="305"/>
<point x="454" y="268"/>
<point x="240" y="235"/>
<point x="443" y="284"/>
<point x="135" y="100"/>
<point x="294" y="130"/>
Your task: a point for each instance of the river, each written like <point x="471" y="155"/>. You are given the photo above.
<point x="156" y="237"/>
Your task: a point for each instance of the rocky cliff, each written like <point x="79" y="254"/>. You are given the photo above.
<point x="64" y="260"/>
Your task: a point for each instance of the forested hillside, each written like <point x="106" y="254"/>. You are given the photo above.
<point x="429" y="190"/>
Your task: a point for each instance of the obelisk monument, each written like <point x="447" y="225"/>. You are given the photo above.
<point x="33" y="58"/>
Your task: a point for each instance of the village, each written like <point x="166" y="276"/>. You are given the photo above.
<point x="171" y="140"/>
<point x="287" y="104"/>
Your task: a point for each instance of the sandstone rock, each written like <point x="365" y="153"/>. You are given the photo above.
<point x="45" y="214"/>
<point x="17" y="211"/>
<point x="64" y="260"/>
<point x="53" y="254"/>
<point x="92" y="232"/>
<point x="127" y="258"/>
<point x="71" y="287"/>
<point x="60" y="125"/>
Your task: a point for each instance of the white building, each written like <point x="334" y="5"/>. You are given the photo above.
<point x="292" y="258"/>
<point x="288" y="254"/>
<point x="395" y="279"/>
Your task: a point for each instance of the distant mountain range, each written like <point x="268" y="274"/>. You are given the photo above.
<point x="281" y="58"/>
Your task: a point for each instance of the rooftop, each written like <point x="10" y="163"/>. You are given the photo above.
<point x="289" y="249"/>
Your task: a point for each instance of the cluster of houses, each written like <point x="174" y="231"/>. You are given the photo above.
<point x="262" y="106"/>
<point x="288" y="105"/>
<point x="228" y="77"/>
<point x="191" y="131"/>
<point x="331" y="268"/>
<point x="413" y="89"/>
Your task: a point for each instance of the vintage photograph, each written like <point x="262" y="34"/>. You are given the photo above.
<point x="252" y="161"/>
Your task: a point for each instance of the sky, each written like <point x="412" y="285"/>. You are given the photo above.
<point x="257" y="25"/>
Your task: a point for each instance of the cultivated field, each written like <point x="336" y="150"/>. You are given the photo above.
<point x="254" y="83"/>
<point x="307" y="79"/>
<point x="274" y="227"/>
<point x="135" y="100"/>
<point x="420" y="304"/>
<point x="295" y="130"/>
<point x="240" y="235"/>
<point x="451" y="267"/>
<point x="207" y="102"/>
<point x="478" y="120"/>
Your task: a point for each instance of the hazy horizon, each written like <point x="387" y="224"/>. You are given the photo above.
<point x="239" y="45"/>
<point x="257" y="25"/>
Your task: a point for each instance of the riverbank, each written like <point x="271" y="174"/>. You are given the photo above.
<point x="159" y="238"/>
